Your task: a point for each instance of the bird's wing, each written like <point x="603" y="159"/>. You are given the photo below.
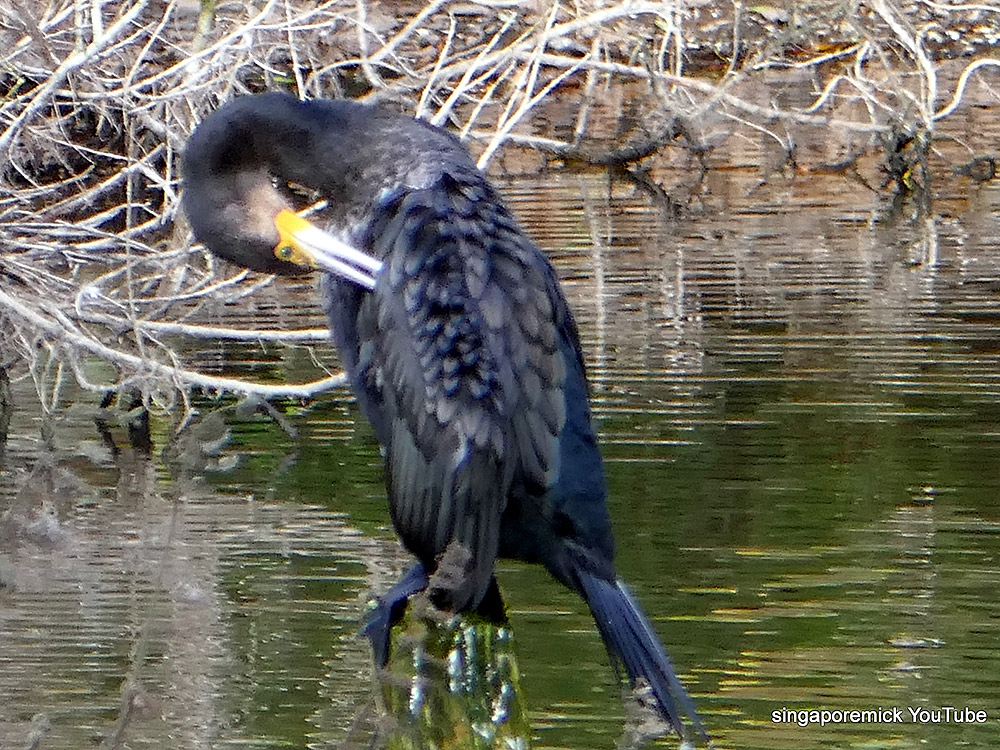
<point x="461" y="342"/>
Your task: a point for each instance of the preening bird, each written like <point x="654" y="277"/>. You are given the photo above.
<point x="459" y="345"/>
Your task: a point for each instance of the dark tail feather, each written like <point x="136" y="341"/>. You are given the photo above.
<point x="630" y="639"/>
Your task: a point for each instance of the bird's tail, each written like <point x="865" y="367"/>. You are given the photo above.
<point x="630" y="640"/>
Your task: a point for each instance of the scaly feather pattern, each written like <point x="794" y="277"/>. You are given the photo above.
<point x="462" y="356"/>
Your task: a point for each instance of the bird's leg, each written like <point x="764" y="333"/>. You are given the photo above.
<point x="389" y="608"/>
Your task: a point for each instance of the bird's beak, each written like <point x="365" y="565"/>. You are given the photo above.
<point x="305" y="244"/>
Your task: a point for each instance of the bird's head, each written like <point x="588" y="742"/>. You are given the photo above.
<point x="234" y="199"/>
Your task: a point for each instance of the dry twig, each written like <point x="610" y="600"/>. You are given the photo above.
<point x="99" y="98"/>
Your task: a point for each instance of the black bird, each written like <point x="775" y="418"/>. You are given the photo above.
<point x="459" y="345"/>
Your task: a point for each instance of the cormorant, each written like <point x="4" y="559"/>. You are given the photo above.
<point x="459" y="345"/>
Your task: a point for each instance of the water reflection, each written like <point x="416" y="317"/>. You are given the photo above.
<point x="451" y="684"/>
<point x="798" y="397"/>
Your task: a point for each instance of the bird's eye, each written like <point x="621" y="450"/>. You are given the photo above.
<point x="283" y="252"/>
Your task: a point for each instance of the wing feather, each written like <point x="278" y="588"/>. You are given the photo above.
<point x="461" y="346"/>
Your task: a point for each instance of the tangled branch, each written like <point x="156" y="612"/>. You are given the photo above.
<point x="98" y="99"/>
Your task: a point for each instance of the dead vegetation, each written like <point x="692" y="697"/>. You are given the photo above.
<point x="98" y="98"/>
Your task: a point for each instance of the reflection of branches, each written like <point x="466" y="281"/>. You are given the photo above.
<point x="99" y="98"/>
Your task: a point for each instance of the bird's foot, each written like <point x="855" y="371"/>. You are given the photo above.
<point x="388" y="609"/>
<point x="377" y="628"/>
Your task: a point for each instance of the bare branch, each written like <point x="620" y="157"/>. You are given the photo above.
<point x="99" y="98"/>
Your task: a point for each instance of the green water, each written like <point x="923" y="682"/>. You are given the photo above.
<point x="798" y="395"/>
